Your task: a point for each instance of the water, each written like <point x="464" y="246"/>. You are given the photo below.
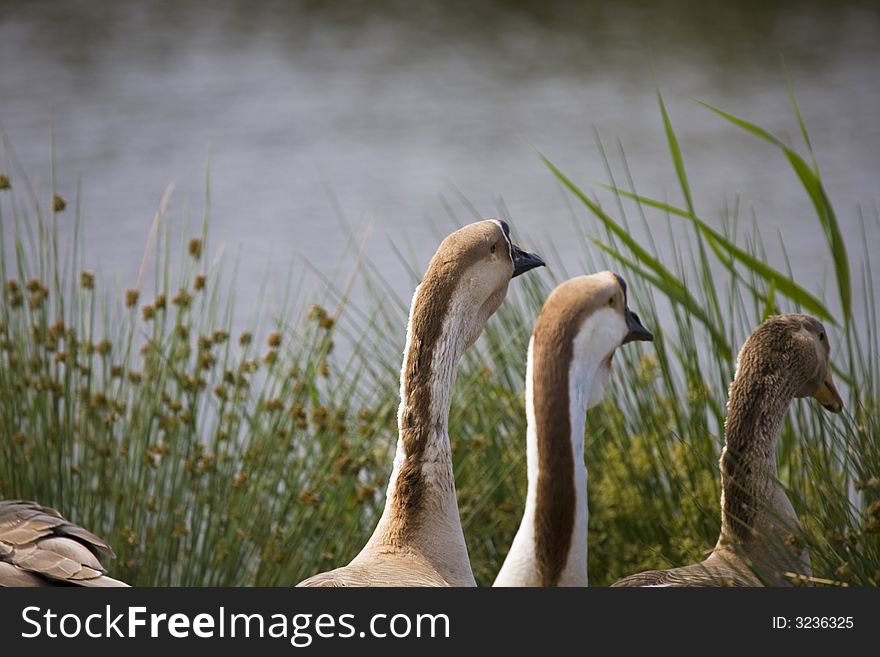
<point x="381" y="114"/>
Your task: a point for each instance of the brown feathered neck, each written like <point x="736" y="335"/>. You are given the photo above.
<point x="771" y="370"/>
<point x="552" y="354"/>
<point x="426" y="379"/>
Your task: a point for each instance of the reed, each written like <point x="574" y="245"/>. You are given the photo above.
<point x="213" y="456"/>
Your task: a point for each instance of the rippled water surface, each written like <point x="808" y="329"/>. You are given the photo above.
<point x="317" y="122"/>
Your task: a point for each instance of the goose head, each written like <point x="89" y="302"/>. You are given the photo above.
<point x="799" y="344"/>
<point x="468" y="276"/>
<point x="593" y="311"/>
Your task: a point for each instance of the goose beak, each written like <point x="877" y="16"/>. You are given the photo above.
<point x="635" y="329"/>
<point x="828" y="396"/>
<point x="523" y="261"/>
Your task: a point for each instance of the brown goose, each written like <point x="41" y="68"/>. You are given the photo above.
<point x="787" y="356"/>
<point x="418" y="540"/>
<point x="39" y="547"/>
<point x="582" y="323"/>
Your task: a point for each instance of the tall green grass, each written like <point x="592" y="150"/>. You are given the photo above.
<point x="209" y="456"/>
<point x="655" y="481"/>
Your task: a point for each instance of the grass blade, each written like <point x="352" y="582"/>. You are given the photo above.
<point x="783" y="283"/>
<point x="812" y="184"/>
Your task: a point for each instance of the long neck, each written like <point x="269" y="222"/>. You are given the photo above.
<point x="421" y="510"/>
<point x="757" y="517"/>
<point x="550" y="548"/>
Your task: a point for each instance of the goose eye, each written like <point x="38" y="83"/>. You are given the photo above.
<point x="611" y="302"/>
<point x="492" y="250"/>
<point x="822" y="336"/>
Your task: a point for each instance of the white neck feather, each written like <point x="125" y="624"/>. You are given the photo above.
<point x="520" y="567"/>
<point x="439" y="538"/>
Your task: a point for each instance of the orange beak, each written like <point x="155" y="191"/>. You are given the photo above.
<point x="828" y="396"/>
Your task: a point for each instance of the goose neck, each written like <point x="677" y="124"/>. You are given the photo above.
<point x="421" y="510"/>
<point x="751" y="495"/>
<point x="550" y="548"/>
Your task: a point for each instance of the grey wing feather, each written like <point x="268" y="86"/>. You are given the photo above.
<point x="14" y="576"/>
<point x="84" y="535"/>
<point x="38" y="546"/>
<point x="333" y="579"/>
<point x="700" y="574"/>
<point x="379" y="570"/>
<point x="104" y="581"/>
<point x="71" y="549"/>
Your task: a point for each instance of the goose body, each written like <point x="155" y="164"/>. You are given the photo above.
<point x="786" y="357"/>
<point x="39" y="547"/>
<point x="418" y="540"/>
<point x="582" y="323"/>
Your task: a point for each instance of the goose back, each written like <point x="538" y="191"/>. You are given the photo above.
<point x="39" y="547"/>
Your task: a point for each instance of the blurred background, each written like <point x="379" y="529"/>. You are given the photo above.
<point x="318" y="120"/>
<point x="208" y="455"/>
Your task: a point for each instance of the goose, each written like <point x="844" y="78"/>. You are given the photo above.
<point x="582" y="323"/>
<point x="418" y="540"/>
<point x="786" y="357"/>
<point x="39" y="547"/>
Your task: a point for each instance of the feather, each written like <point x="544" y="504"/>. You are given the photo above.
<point x="39" y="547"/>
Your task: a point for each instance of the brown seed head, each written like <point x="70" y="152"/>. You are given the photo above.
<point x="131" y="297"/>
<point x="182" y="298"/>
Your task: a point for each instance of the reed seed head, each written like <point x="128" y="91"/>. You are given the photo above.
<point x="182" y="299"/>
<point x="131" y="298"/>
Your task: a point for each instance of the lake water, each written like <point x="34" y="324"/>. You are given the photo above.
<point x="382" y="114"/>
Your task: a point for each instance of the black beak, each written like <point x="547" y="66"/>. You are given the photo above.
<point x="636" y="330"/>
<point x="523" y="261"/>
